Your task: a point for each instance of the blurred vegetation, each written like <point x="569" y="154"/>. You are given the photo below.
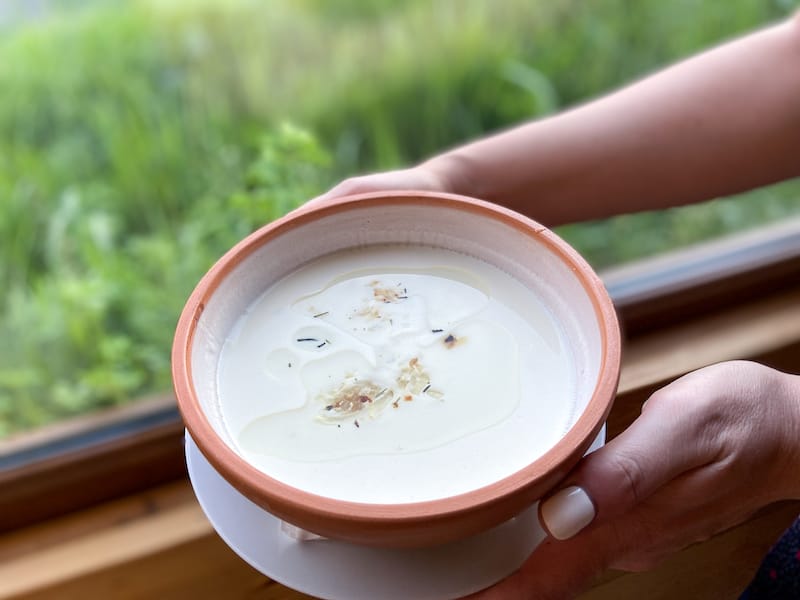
<point x="139" y="141"/>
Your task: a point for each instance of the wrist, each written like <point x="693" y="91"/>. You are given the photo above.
<point x="791" y="389"/>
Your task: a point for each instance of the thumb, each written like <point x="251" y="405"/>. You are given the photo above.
<point x="610" y="482"/>
<point x="607" y="484"/>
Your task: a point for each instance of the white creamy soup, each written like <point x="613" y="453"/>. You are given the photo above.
<point x="395" y="374"/>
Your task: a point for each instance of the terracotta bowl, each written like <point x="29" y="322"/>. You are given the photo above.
<point x="571" y="291"/>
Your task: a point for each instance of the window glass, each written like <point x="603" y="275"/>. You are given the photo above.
<point x="139" y="141"/>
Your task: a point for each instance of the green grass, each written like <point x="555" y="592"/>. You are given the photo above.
<point x="138" y="142"/>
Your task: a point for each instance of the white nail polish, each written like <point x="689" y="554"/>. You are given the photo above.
<point x="567" y="512"/>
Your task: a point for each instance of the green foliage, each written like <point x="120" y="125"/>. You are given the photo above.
<point x="95" y="327"/>
<point x="138" y="142"/>
<point x="628" y="237"/>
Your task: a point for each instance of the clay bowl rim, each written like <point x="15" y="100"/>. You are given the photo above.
<point x="272" y="494"/>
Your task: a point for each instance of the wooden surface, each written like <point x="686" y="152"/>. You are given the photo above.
<point x="158" y="544"/>
<point x="145" y="452"/>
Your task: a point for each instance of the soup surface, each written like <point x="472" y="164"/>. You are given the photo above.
<point x="395" y="374"/>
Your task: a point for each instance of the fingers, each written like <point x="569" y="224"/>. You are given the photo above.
<point x="557" y="570"/>
<point x="607" y="484"/>
<point x="655" y="449"/>
<point x="415" y="178"/>
<point x="344" y="188"/>
<point x="667" y="522"/>
<point x="683" y="471"/>
<point x="356" y="185"/>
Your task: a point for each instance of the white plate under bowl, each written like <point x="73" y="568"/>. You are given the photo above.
<point x="336" y="570"/>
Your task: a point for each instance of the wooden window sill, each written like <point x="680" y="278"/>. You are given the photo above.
<point x="710" y="288"/>
<point x="157" y="543"/>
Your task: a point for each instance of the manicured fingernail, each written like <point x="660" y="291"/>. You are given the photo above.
<point x="567" y="512"/>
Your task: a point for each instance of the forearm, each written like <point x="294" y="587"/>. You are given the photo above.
<point x="719" y="123"/>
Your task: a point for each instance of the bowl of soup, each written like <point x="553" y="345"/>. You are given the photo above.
<point x="397" y="369"/>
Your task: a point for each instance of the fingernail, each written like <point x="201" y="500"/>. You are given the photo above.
<point x="567" y="512"/>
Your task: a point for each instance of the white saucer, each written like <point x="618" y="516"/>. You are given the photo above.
<point x="337" y="570"/>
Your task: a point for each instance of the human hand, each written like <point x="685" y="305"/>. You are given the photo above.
<point x="422" y="177"/>
<point x="708" y="451"/>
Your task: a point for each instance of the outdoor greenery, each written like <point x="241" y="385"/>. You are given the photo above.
<point x="140" y="141"/>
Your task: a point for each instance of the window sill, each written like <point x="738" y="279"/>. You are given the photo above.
<point x="712" y="290"/>
<point x="159" y="541"/>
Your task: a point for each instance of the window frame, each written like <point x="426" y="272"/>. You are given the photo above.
<point x="93" y="459"/>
